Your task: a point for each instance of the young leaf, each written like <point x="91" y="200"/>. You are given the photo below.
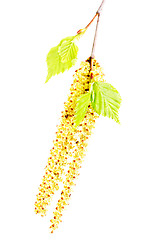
<point x="63" y="56"/>
<point x="68" y="49"/>
<point x="55" y="64"/>
<point x="105" y="100"/>
<point x="81" y="108"/>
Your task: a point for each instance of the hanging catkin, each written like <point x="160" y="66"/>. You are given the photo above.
<point x="69" y="146"/>
<point x="90" y="96"/>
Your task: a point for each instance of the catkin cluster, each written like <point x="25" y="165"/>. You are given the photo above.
<point x="70" y="145"/>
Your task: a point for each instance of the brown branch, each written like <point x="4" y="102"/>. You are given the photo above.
<point x="100" y="7"/>
<point x="95" y="36"/>
<point x="97" y="13"/>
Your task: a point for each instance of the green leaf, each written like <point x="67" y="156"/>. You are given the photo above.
<point x="63" y="56"/>
<point x="68" y="49"/>
<point x="54" y="64"/>
<point x="105" y="100"/>
<point x="81" y="108"/>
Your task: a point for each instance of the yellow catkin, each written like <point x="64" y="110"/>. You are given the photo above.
<point x="69" y="146"/>
<point x="78" y="139"/>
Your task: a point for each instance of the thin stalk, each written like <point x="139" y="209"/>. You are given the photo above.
<point x="81" y="30"/>
<point x="95" y="37"/>
<point x="98" y="13"/>
<point x="91" y="20"/>
<point x="100" y="7"/>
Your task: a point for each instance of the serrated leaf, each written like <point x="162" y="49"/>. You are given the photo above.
<point x="55" y="64"/>
<point x="68" y="50"/>
<point x="81" y="108"/>
<point x="63" y="56"/>
<point x="105" y="100"/>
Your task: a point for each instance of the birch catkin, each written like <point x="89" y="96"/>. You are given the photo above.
<point x="90" y="96"/>
<point x="69" y="146"/>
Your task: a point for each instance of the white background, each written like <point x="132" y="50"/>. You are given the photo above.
<point x="119" y="194"/>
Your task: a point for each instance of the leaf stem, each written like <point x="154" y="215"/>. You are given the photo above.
<point x="91" y="20"/>
<point x="97" y="13"/>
